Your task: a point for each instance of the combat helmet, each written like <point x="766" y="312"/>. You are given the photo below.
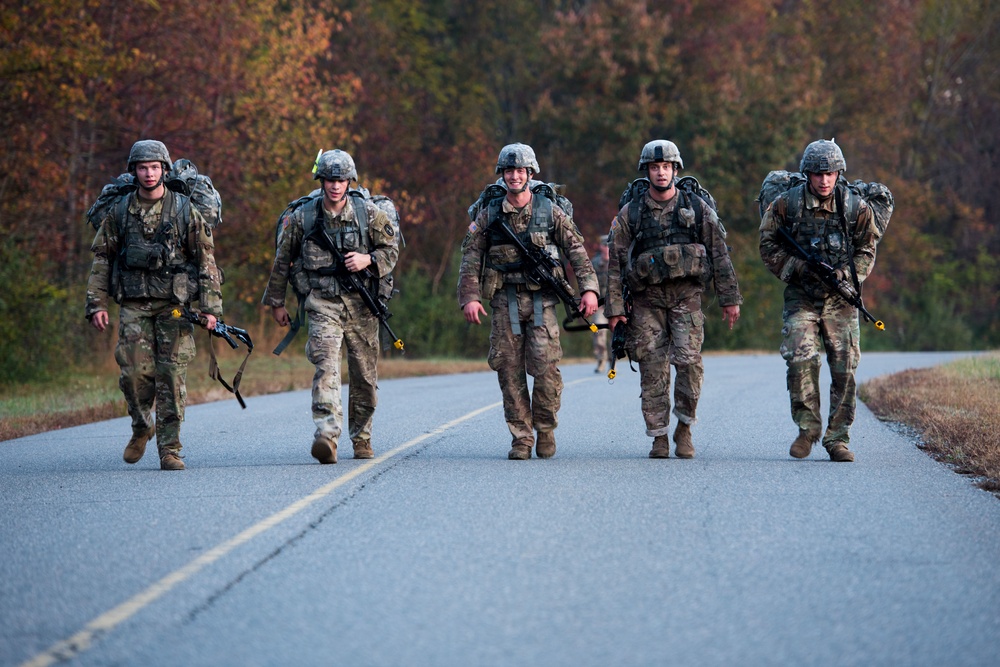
<point x="517" y="155"/>
<point x="660" y="150"/>
<point x="822" y="157"/>
<point x="335" y="165"/>
<point x="149" y="150"/>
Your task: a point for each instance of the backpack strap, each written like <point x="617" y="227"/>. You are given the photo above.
<point x="361" y="215"/>
<point x="541" y="214"/>
<point x="309" y="215"/>
<point x="848" y="204"/>
<point x="796" y="198"/>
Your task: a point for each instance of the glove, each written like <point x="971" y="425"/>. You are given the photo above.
<point x="844" y="283"/>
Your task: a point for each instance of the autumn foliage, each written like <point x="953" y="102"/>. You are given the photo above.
<point x="424" y="93"/>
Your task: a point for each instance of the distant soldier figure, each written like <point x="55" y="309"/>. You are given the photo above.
<point x="524" y="337"/>
<point x="153" y="253"/>
<point x="337" y="317"/>
<point x="829" y="219"/>
<point x="665" y="256"/>
<point x="602" y="338"/>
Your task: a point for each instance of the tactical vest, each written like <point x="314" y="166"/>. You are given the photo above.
<point x="319" y="267"/>
<point x="827" y="234"/>
<point x="651" y="234"/>
<point x="504" y="265"/>
<point x="156" y="268"/>
<point x="674" y="252"/>
<point x="503" y="256"/>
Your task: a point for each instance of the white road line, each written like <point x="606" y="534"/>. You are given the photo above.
<point x="66" y="649"/>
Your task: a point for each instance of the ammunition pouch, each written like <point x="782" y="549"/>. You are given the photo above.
<point x="668" y="262"/>
<point x="144" y="256"/>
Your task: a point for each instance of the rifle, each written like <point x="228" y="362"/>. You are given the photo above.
<point x="618" y="334"/>
<point x="828" y="275"/>
<point x="539" y="268"/>
<point x="352" y="283"/>
<point x="225" y="332"/>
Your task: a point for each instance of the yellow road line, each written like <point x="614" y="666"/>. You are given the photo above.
<point x="66" y="649"/>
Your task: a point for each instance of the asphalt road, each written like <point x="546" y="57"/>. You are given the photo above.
<point x="441" y="552"/>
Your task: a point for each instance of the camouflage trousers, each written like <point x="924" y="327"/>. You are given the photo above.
<point x="810" y="326"/>
<point x="535" y="352"/>
<point x="153" y="352"/>
<point x="667" y="328"/>
<point x="334" y="323"/>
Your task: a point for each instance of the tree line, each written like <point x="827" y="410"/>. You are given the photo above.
<point x="424" y="93"/>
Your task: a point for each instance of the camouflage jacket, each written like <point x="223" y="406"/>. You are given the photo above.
<point x="190" y="244"/>
<point x="382" y="242"/>
<point x="710" y="233"/>
<point x="476" y="282"/>
<point x="789" y="268"/>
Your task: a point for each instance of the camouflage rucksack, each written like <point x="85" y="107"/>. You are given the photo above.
<point x="689" y="185"/>
<point x="498" y="190"/>
<point x="877" y="195"/>
<point x="109" y="196"/>
<point x="880" y="201"/>
<point x="182" y="178"/>
<point x="185" y="179"/>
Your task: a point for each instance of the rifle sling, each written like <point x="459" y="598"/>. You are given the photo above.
<point x="213" y="371"/>
<point x="293" y="330"/>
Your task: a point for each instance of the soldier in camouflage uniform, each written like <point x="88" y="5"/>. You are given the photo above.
<point x="524" y="338"/>
<point x="336" y="316"/>
<point x="677" y="245"/>
<point x="153" y="253"/>
<point x="602" y="338"/>
<point x="826" y="217"/>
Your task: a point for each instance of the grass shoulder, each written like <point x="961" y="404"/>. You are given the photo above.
<point x="954" y="410"/>
<point x="83" y="396"/>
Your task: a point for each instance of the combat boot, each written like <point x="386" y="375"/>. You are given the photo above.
<point x="170" y="460"/>
<point x="839" y="452"/>
<point x="324" y="449"/>
<point x="136" y="447"/>
<point x="363" y="449"/>
<point x="803" y="445"/>
<point x="519" y="452"/>
<point x="661" y="448"/>
<point x="545" y="445"/>
<point x="682" y="438"/>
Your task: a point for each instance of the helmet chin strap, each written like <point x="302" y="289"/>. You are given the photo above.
<point x="143" y="188"/>
<point x="660" y="188"/>
<point x="524" y="187"/>
<point x="155" y="185"/>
